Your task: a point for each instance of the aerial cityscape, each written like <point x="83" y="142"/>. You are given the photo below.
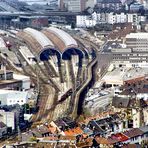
<point x="74" y="73"/>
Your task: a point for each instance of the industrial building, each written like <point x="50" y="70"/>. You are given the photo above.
<point x="137" y="41"/>
<point x="118" y="76"/>
<point x="130" y="51"/>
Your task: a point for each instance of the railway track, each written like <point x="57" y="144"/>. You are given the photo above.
<point x="46" y="80"/>
<point x="82" y="87"/>
<point x="71" y="72"/>
<point x="32" y="71"/>
<point x="62" y="99"/>
<point x="50" y="68"/>
<point x="33" y="45"/>
<point x="60" y="73"/>
<point x="79" y="77"/>
<point x="81" y="70"/>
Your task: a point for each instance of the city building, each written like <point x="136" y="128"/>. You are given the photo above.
<point x="85" y="21"/>
<point x="101" y="17"/>
<point x="137" y="41"/>
<point x="110" y="4"/>
<point x="12" y="81"/>
<point x="136" y="6"/>
<point x="97" y="99"/>
<point x="105" y="126"/>
<point x="32" y="21"/>
<point x="74" y="6"/>
<point x="8" y="118"/>
<point x="3" y="129"/>
<point x="11" y="97"/>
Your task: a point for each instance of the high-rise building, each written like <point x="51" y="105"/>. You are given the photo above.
<point x="74" y="5"/>
<point x="63" y="4"/>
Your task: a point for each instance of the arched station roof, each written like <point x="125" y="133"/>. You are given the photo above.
<point x="41" y="45"/>
<point x="40" y="37"/>
<point x="66" y="44"/>
<point x="64" y="36"/>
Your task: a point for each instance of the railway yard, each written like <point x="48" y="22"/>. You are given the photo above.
<point x="75" y="83"/>
<point x="60" y="66"/>
<point x="73" y="73"/>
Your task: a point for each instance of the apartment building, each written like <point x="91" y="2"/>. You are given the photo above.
<point x="74" y="5"/>
<point x="101" y="17"/>
<point x="137" y="41"/>
<point x="112" y="4"/>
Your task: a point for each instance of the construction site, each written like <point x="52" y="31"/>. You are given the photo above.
<point x="60" y="66"/>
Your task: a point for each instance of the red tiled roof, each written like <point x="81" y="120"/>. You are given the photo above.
<point x="119" y="137"/>
<point x="108" y="141"/>
<point x="72" y="132"/>
<point x="133" y="133"/>
<point x="120" y="33"/>
<point x="135" y="79"/>
<point x="130" y="146"/>
<point x="99" y="116"/>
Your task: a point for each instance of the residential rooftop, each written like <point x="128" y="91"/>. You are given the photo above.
<point x="138" y="35"/>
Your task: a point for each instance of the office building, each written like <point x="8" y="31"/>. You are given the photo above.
<point x="137" y="41"/>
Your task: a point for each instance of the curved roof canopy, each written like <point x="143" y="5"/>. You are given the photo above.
<point x="64" y="36"/>
<point x="65" y="43"/>
<point x="46" y="40"/>
<point x="42" y="46"/>
<point x="40" y="37"/>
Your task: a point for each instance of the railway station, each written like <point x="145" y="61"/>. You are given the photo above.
<point x="62" y="62"/>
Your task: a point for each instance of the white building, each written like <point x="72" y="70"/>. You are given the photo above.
<point x="121" y="18"/>
<point x="10" y="97"/>
<point x="3" y="129"/>
<point x="97" y="99"/>
<point x="85" y="21"/>
<point x="135" y="18"/>
<point x="110" y="18"/>
<point x="8" y="118"/>
<point x="26" y="82"/>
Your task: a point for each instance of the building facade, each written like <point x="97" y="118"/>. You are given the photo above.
<point x="8" y="118"/>
<point x="74" y="5"/>
<point x="109" y="18"/>
<point x="10" y="97"/>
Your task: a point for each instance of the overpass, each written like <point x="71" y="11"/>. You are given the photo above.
<point x="47" y="13"/>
